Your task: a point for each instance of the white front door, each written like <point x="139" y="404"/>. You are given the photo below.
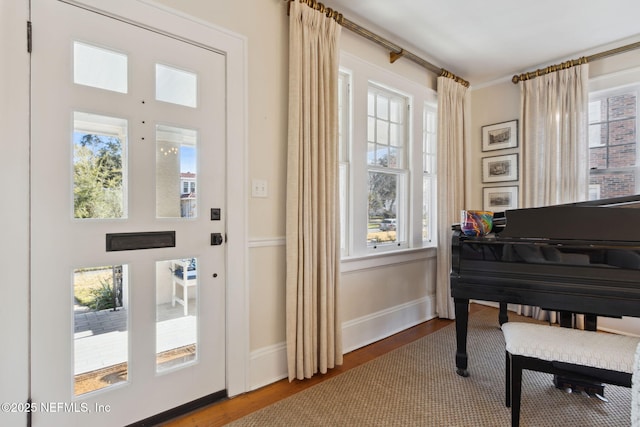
<point x="128" y="219"/>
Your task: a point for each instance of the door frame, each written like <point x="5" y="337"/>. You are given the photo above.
<point x="147" y="14"/>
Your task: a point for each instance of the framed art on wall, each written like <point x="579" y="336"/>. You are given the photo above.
<point x="500" y="136"/>
<point x="500" y="168"/>
<point x="499" y="199"/>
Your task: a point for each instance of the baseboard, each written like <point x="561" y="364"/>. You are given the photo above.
<point x="373" y="327"/>
<point x="269" y="364"/>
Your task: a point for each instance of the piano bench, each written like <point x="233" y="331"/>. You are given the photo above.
<point x="586" y="355"/>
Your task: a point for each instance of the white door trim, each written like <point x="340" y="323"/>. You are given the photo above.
<point x="171" y="22"/>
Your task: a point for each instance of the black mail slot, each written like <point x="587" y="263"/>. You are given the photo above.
<point x="140" y="240"/>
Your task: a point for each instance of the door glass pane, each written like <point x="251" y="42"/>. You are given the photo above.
<point x="176" y="177"/>
<point x="98" y="67"/>
<point x="176" y="312"/>
<point x="176" y="86"/>
<point x="99" y="165"/>
<point x="100" y="343"/>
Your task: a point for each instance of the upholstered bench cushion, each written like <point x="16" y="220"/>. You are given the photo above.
<point x="556" y="344"/>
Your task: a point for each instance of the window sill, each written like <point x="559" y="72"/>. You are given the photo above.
<point x="349" y="264"/>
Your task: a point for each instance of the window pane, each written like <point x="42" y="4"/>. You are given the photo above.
<point x="176" y="86"/>
<point x="596" y="111"/>
<point x="382" y="104"/>
<point x="382" y="132"/>
<point x="395" y="111"/>
<point x="598" y="158"/>
<point x="100" y="68"/>
<point x="395" y="135"/>
<point x="614" y="184"/>
<point x="597" y="135"/>
<point x="621" y="156"/>
<point x="176" y="162"/>
<point x="344" y="203"/>
<point x="371" y="129"/>
<point x="99" y="147"/>
<point x="383" y="206"/>
<point x="371" y="154"/>
<point x="382" y="156"/>
<point x="622" y="132"/>
<point x="371" y="104"/>
<point x="426" y="209"/>
<point x="622" y="106"/>
<point x="176" y="313"/>
<point x="100" y="343"/>
<point x="395" y="157"/>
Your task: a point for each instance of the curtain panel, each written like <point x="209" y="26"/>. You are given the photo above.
<point x="451" y="179"/>
<point x="314" y="329"/>
<point x="555" y="150"/>
<point x="555" y="147"/>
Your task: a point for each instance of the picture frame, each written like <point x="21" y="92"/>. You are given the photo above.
<point x="500" y="168"/>
<point x="500" y="136"/>
<point x="500" y="199"/>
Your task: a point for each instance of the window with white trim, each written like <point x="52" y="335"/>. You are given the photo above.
<point x="429" y="141"/>
<point x="613" y="136"/>
<point x="387" y="160"/>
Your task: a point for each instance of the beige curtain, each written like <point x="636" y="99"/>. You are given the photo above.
<point x="451" y="178"/>
<point x="554" y="117"/>
<point x="314" y="334"/>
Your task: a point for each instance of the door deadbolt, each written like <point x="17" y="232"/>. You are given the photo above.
<point x="216" y="239"/>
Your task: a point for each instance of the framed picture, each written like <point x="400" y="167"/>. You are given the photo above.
<point x="499" y="199"/>
<point x="500" y="135"/>
<point x="500" y="168"/>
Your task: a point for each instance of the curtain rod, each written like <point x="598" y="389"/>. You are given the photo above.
<point x="573" y="62"/>
<point x="396" y="52"/>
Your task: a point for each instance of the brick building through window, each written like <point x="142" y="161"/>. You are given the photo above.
<point x="613" y="131"/>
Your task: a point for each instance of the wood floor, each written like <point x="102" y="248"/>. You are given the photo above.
<point x="232" y="409"/>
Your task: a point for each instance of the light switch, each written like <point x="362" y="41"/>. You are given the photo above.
<point x="258" y="188"/>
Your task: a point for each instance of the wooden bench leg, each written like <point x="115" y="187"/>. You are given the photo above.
<point x="516" y="389"/>
<point x="507" y="382"/>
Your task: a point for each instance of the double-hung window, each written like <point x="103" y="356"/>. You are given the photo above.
<point x="387" y="160"/>
<point x="613" y="149"/>
<point x="387" y="168"/>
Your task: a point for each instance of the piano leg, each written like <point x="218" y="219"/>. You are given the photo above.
<point x="462" y="323"/>
<point x="503" y="317"/>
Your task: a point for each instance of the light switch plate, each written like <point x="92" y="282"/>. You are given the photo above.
<point x="258" y="188"/>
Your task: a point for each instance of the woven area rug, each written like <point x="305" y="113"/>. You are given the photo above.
<point x="416" y="385"/>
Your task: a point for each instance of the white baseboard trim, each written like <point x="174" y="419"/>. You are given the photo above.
<point x="373" y="327"/>
<point x="269" y="364"/>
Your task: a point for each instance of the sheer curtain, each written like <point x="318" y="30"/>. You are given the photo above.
<point x="554" y="117"/>
<point x="314" y="334"/>
<point x="451" y="177"/>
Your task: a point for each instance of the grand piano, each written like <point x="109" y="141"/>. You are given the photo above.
<point x="574" y="258"/>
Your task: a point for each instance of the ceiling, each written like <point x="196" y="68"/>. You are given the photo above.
<point x="483" y="41"/>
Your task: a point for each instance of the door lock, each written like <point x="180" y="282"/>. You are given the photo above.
<point x="216" y="239"/>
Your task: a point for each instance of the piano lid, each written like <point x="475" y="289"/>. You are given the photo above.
<point x="598" y="220"/>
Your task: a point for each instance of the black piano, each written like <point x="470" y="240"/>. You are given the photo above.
<point x="574" y="258"/>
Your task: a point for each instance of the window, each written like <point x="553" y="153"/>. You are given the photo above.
<point x="387" y="160"/>
<point x="387" y="168"/>
<point x="429" y="141"/>
<point x="613" y="130"/>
